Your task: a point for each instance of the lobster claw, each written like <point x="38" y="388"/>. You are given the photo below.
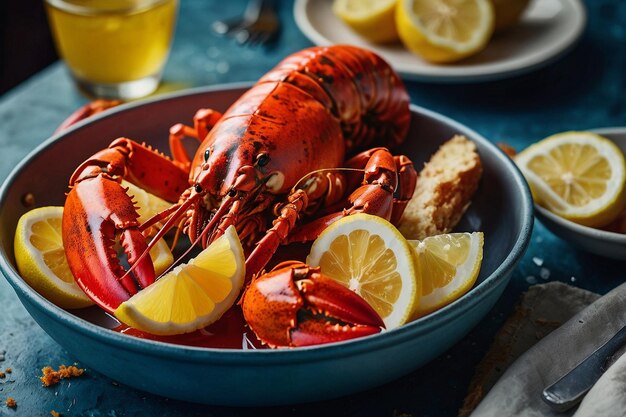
<point x="98" y="211"/>
<point x="296" y="305"/>
<point x="89" y="232"/>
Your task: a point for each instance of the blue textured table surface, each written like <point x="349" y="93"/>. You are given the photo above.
<point x="584" y="90"/>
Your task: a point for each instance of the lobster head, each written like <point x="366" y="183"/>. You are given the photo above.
<point x="228" y="169"/>
<point x="255" y="145"/>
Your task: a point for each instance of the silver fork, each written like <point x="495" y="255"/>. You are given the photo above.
<point x="234" y="24"/>
<point x="261" y="30"/>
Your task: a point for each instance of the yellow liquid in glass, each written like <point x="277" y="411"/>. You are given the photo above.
<point x="113" y="41"/>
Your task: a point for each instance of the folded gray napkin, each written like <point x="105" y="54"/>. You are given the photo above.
<point x="523" y="366"/>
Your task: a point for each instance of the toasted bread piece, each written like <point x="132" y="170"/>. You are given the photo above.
<point x="444" y="189"/>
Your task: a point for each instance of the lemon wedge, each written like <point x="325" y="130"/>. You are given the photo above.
<point x="40" y="258"/>
<point x="192" y="295"/>
<point x="447" y="266"/>
<point x="445" y="30"/>
<point x="41" y="261"/>
<point x="148" y="204"/>
<point x="577" y="175"/>
<point x="368" y="255"/>
<point x="374" y="20"/>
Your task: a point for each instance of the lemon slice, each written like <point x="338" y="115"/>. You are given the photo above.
<point x="577" y="175"/>
<point x="447" y="266"/>
<point x="374" y="20"/>
<point x="192" y="295"/>
<point x="41" y="261"/>
<point x="445" y="30"/>
<point x="368" y="255"/>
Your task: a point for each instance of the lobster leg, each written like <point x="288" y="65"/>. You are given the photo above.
<point x="203" y="122"/>
<point x="86" y="111"/>
<point x="407" y="176"/>
<point x="383" y="173"/>
<point x="287" y="215"/>
<point x="97" y="210"/>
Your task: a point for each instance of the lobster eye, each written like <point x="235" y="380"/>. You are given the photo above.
<point x="207" y="153"/>
<point x="198" y="188"/>
<point x="263" y="160"/>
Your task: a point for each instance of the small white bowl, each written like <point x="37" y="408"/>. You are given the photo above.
<point x="599" y="242"/>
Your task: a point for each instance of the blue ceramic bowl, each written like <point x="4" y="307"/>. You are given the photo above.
<point x="502" y="208"/>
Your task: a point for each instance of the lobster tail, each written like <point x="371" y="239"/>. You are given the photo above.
<point x="361" y="90"/>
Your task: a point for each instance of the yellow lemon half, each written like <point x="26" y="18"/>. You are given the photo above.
<point x="445" y="30"/>
<point x="447" y="266"/>
<point x="368" y="255"/>
<point x="577" y="175"/>
<point x="374" y="20"/>
<point x="192" y="295"/>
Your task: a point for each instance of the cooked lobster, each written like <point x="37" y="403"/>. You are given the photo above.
<point x="272" y="165"/>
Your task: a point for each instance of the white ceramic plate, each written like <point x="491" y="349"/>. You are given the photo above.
<point x="548" y="29"/>
<point x="600" y="242"/>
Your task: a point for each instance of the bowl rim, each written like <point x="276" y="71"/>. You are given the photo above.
<point x="274" y="356"/>
<point x="607" y="236"/>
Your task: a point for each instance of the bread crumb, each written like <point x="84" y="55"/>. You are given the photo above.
<point x="10" y="402"/>
<point x="51" y="377"/>
<point x="8" y="370"/>
<point x="55" y="414"/>
<point x="2" y="375"/>
<point x="444" y="189"/>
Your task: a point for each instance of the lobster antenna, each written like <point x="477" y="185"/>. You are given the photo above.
<point x="295" y="187"/>
<point x="225" y="205"/>
<point x="166" y="228"/>
<point x="179" y="229"/>
<point x="159" y="216"/>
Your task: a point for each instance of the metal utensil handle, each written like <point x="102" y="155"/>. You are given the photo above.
<point x="572" y="387"/>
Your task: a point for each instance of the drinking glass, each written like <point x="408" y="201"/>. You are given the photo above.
<point x="113" y="48"/>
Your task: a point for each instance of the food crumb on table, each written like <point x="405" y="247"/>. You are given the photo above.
<point x="2" y="375"/>
<point x="8" y="370"/>
<point x="51" y="377"/>
<point x="55" y="414"/>
<point x="10" y="402"/>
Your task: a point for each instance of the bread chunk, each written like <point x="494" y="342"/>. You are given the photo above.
<point x="444" y="189"/>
